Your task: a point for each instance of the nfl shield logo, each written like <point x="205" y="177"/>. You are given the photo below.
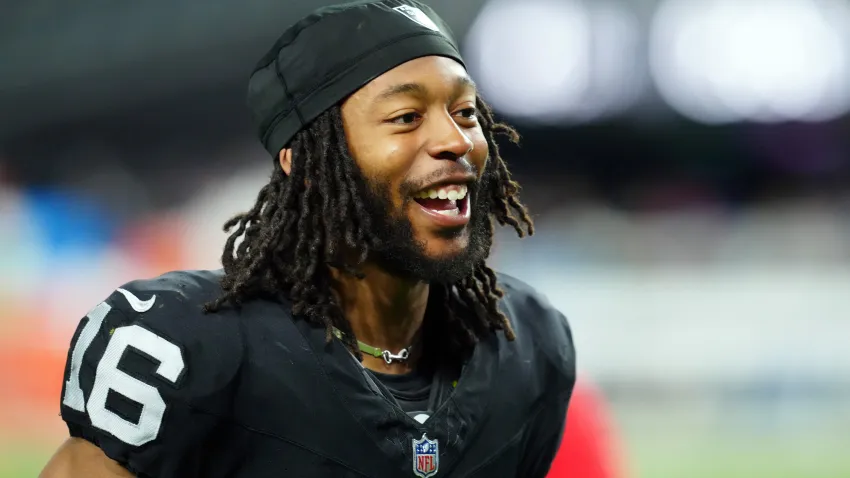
<point x="426" y="457"/>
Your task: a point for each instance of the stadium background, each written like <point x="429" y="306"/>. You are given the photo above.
<point x="688" y="164"/>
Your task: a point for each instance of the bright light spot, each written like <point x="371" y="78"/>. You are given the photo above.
<point x="720" y="61"/>
<point x="550" y="61"/>
<point x="532" y="56"/>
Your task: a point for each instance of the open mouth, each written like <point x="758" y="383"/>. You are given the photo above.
<point x="451" y="200"/>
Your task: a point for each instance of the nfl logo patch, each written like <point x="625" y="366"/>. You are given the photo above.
<point x="426" y="457"/>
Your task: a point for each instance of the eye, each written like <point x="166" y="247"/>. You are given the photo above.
<point x="406" y="119"/>
<point x="468" y="113"/>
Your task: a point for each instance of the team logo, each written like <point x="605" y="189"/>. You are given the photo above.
<point x="426" y="457"/>
<point x="417" y="16"/>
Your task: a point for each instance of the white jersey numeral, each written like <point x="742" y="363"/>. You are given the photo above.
<point x="74" y="397"/>
<point x="109" y="377"/>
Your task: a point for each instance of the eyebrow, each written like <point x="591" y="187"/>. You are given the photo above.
<point x="418" y="89"/>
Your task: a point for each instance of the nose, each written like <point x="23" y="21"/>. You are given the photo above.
<point x="450" y="140"/>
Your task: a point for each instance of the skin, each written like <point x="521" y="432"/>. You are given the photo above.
<point x="78" y="458"/>
<point x="425" y="130"/>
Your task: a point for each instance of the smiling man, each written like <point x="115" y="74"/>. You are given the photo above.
<point x="355" y="329"/>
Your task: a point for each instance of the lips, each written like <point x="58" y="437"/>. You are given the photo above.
<point x="447" y="205"/>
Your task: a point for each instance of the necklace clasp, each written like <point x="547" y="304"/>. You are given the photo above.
<point x="390" y="357"/>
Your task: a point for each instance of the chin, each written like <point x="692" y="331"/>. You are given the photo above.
<point x="443" y="249"/>
<point x="435" y="259"/>
<point x="420" y="249"/>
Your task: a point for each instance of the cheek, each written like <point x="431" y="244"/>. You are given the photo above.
<point x="389" y="164"/>
<point x="377" y="155"/>
<point x="381" y="159"/>
<point x="396" y="167"/>
<point x="480" y="152"/>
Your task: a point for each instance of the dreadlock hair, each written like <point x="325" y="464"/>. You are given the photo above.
<point x="302" y="223"/>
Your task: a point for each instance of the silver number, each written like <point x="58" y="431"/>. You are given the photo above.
<point x="74" y="397"/>
<point x="108" y="377"/>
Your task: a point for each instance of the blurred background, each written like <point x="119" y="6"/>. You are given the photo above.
<point x="687" y="163"/>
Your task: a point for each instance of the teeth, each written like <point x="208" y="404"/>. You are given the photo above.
<point x="449" y="212"/>
<point x="451" y="192"/>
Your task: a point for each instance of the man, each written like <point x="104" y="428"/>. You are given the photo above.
<point x="355" y="329"/>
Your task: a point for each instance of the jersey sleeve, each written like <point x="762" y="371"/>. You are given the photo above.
<point x="544" y="440"/>
<point x="543" y="328"/>
<point x="149" y="377"/>
<point x="547" y="427"/>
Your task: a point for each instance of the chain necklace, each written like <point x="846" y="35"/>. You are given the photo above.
<point x="376" y="352"/>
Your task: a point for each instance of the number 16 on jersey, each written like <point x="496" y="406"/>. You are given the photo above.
<point x="109" y="377"/>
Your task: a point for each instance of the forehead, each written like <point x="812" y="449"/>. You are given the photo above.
<point x="429" y="71"/>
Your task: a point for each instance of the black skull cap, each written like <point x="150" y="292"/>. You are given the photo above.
<point x="332" y="53"/>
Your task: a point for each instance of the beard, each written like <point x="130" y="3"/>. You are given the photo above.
<point x="399" y="252"/>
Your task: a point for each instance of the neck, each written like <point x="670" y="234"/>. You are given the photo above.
<point x="384" y="311"/>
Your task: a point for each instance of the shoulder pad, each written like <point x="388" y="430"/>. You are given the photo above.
<point x="148" y="373"/>
<point x="539" y="325"/>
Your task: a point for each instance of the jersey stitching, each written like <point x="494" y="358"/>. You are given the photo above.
<point x="475" y="429"/>
<point x="80" y="431"/>
<point x="336" y="392"/>
<point x="506" y="446"/>
<point x="129" y="462"/>
<point x="283" y="439"/>
<point x="225" y="419"/>
<point x="509" y="289"/>
<point x="245" y="352"/>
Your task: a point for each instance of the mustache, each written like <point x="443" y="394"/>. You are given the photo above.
<point x="409" y="187"/>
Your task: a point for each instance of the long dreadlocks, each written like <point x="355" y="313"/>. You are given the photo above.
<point x="302" y="223"/>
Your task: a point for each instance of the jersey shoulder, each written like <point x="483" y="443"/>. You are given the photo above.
<point x="148" y="373"/>
<point x="539" y="326"/>
<point x="172" y="289"/>
<point x="171" y="307"/>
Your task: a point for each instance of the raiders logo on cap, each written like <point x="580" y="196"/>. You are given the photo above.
<point x="417" y="16"/>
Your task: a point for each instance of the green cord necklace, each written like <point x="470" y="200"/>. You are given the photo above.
<point x="388" y="356"/>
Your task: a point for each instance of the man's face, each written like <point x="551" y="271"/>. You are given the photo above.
<point x="415" y="136"/>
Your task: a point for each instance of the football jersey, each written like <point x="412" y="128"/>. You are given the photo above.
<point x="412" y="391"/>
<point x="169" y="391"/>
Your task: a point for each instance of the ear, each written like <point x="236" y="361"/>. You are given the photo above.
<point x="285" y="158"/>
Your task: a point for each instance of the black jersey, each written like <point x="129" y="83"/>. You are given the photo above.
<point x="412" y="391"/>
<point x="169" y="391"/>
